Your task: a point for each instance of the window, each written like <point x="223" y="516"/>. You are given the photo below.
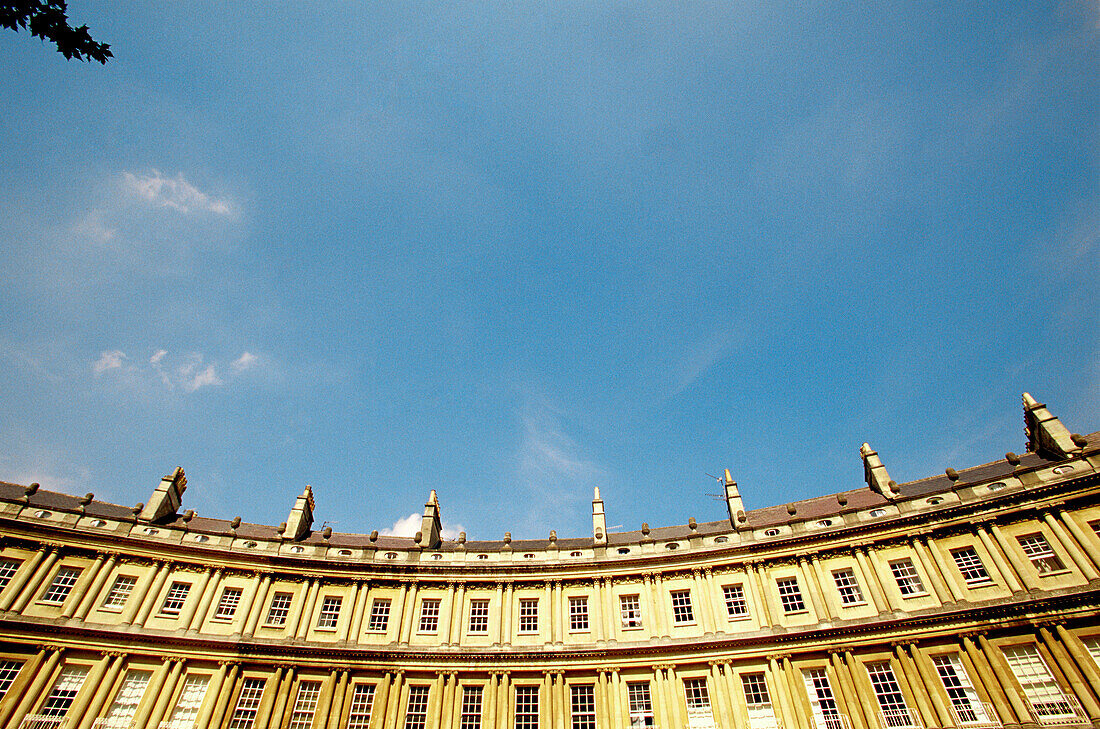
<point x="1093" y="644"/>
<point x="379" y="616"/>
<point x="305" y="705"/>
<point x="630" y="609"/>
<point x="174" y="598"/>
<point x="583" y="703"/>
<point x="970" y="565"/>
<point x="64" y="691"/>
<point x="280" y="607"/>
<point x="905" y="574"/>
<point x="61" y="586"/>
<point x="641" y="704"/>
<point x="527" y="707"/>
<point x="362" y="699"/>
<point x="771" y="532"/>
<point x="126" y="701"/>
<point x="1037" y="549"/>
<point x="227" y="605"/>
<point x="187" y="708"/>
<point x="429" y="616"/>
<point x="471" y="708"/>
<point x="7" y="571"/>
<point x="758" y="701"/>
<point x="416" y="713"/>
<point x="529" y="615"/>
<point x="876" y="513"/>
<point x="736" y="606"/>
<point x="120" y="591"/>
<point x="847" y="586"/>
<point x="822" y="701"/>
<point x="1040" y="688"/>
<point x="789" y="595"/>
<point x="698" y="702"/>
<point x="681" y="607"/>
<point x="965" y="704"/>
<point x="330" y="612"/>
<point x="8" y="671"/>
<point x="891" y="702"/>
<point x="479" y="616"/>
<point x="244" y="716"/>
<point x="578" y="613"/>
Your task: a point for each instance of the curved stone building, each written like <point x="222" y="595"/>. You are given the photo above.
<point x="968" y="599"/>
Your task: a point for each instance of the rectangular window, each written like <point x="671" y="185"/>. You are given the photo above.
<point x="429" y="616"/>
<point x="244" y="716"/>
<point x="61" y="586"/>
<point x="416" y="713"/>
<point x="227" y="605"/>
<point x="758" y="701"/>
<point x="891" y="702"/>
<point x="528" y="615"/>
<point x="479" y="616"/>
<point x="126" y="702"/>
<point x="1037" y="549"/>
<point x="120" y="591"/>
<point x="379" y="616"/>
<point x="471" y="708"/>
<point x="279" y="608"/>
<point x="822" y="701"/>
<point x="362" y="700"/>
<point x="736" y="605"/>
<point x="789" y="595"/>
<point x="527" y="707"/>
<point x="641" y="704"/>
<point x="174" y="598"/>
<point x="1042" y="691"/>
<point x="965" y="704"/>
<point x="698" y="702"/>
<point x="847" y="586"/>
<point x="187" y="708"/>
<point x="8" y="671"/>
<point x="583" y="704"/>
<point x="630" y="610"/>
<point x="330" y="611"/>
<point x="905" y="574"/>
<point x="578" y="613"/>
<point x="305" y="705"/>
<point x="681" y="607"/>
<point x="970" y="565"/>
<point x="1093" y="644"/>
<point x="64" y="691"/>
<point x="8" y="568"/>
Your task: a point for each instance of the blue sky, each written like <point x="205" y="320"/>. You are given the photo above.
<point x="512" y="251"/>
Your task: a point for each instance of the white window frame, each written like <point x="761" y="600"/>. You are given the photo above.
<point x="970" y="566"/>
<point x="328" y="617"/>
<point x="279" y="609"/>
<point x="630" y="611"/>
<point x="790" y="595"/>
<point x="847" y="586"/>
<point x="429" y="616"/>
<point x="61" y="585"/>
<point x="362" y="703"/>
<point x="683" y="613"/>
<point x="528" y="615"/>
<point x="479" y="617"/>
<point x="737" y="604"/>
<point x="578" y="614"/>
<point x="907" y="578"/>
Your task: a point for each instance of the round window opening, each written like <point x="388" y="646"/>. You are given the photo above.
<point x="876" y="513"/>
<point x="437" y="556"/>
<point x="998" y="486"/>
<point x="574" y="554"/>
<point x="483" y="556"/>
<point x="529" y="555"/>
<point x="297" y="550"/>
<point x="201" y="538"/>
<point x="98" y="523"/>
<point x="344" y="553"/>
<point x="42" y="514"/>
<point x="151" y="531"/>
<point x="935" y="500"/>
<point x="721" y="540"/>
<point x="251" y="545"/>
<point x="391" y="555"/>
<point x="1063" y="469"/>
<point x="624" y="550"/>
<point x="771" y="532"/>
<point x="672" y="545"/>
<point x="825" y="523"/>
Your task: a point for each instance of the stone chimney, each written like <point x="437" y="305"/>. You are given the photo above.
<point x="166" y="499"/>
<point x="1045" y="433"/>
<point x="300" y="520"/>
<point x="599" y="521"/>
<point x="733" y="501"/>
<point x="431" y="527"/>
<point x="875" y="474"/>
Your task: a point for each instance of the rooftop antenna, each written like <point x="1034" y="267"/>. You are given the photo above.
<point x="716" y="497"/>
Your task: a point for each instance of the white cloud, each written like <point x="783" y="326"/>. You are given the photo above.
<point x="202" y="378"/>
<point x="176" y="193"/>
<point x="110" y="360"/>
<point x="157" y="356"/>
<point x="408" y="526"/>
<point x="247" y="360"/>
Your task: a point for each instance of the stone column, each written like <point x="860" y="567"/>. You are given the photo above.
<point x="908" y="674"/>
<point x="88" y="690"/>
<point x="37" y="686"/>
<point x="447" y="704"/>
<point x="873" y="590"/>
<point x="844" y="692"/>
<point x="1018" y="563"/>
<point x="601" y="699"/>
<point x="721" y="699"/>
<point x="225" y="695"/>
<point x="1005" y="679"/>
<point x="620" y="710"/>
<point x="1011" y="577"/>
<point x="446" y="615"/>
<point x="25" y="590"/>
<point x="548" y="612"/>
<point x="147" y="602"/>
<point x="155" y="688"/>
<point x="250" y="602"/>
<point x="598" y="633"/>
<point x="14" y="589"/>
<point x="393" y="703"/>
<point x="549" y="712"/>
<point x="210" y="700"/>
<point x="268" y="697"/>
<point x="458" y="609"/>
<point x="803" y="715"/>
<point x="1080" y="655"/>
<point x="435" y="703"/>
<point x="1077" y="682"/>
<point x="499" y="622"/>
<point x="306" y="616"/>
<point x="207" y="600"/>
<point x="1083" y="540"/>
<point x="939" y="587"/>
<point x="1070" y="545"/>
<point x="408" y="615"/>
<point x="932" y="684"/>
<point x="506" y="615"/>
<point x="284" y="699"/>
<point x="89" y="600"/>
<point x="863" y="689"/>
<point x="661" y="605"/>
<point x="660" y="699"/>
<point x="360" y="611"/>
<point x="324" y="699"/>
<point x="336" y="709"/>
<point x="81" y="589"/>
<point x="380" y="708"/>
<point x="649" y="590"/>
<point x="27" y="673"/>
<point x="166" y="693"/>
<point x="196" y="595"/>
<point x="941" y="565"/>
<point x="983" y="675"/>
<point x="878" y="570"/>
<point x="817" y="573"/>
<point x="817" y="599"/>
<point x="701" y="598"/>
<point x="557" y="614"/>
<point x="767" y="612"/>
<point x="489" y="701"/>
<point x="717" y="600"/>
<point x="255" y="611"/>
<point x="356" y="599"/>
<point x="779" y="689"/>
<point x="504" y="700"/>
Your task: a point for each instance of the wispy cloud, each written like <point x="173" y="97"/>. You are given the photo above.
<point x="408" y="526"/>
<point x="700" y="358"/>
<point x="246" y="361"/>
<point x="111" y="360"/>
<point x="173" y="192"/>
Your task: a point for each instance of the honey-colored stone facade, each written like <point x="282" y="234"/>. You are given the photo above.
<point x="965" y="600"/>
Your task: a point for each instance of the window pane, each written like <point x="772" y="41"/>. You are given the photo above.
<point x="362" y="699"/>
